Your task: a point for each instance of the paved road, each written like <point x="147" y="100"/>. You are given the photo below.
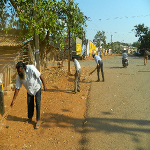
<point x="118" y="110"/>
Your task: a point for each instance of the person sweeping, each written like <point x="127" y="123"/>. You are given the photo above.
<point x="31" y="78"/>
<point x="99" y="67"/>
<point x="77" y="74"/>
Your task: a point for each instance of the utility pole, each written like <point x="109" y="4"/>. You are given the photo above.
<point x="69" y="45"/>
<point x="86" y="18"/>
<point x="69" y="52"/>
<point x="36" y="39"/>
<point x="111" y="43"/>
<point x="85" y="26"/>
<point x="85" y="35"/>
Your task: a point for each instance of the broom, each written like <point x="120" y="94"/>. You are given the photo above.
<point x="92" y="71"/>
<point x="5" y="115"/>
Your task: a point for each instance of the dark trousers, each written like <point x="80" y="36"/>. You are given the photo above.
<point x="30" y="102"/>
<point x="100" y="67"/>
<point x="77" y="79"/>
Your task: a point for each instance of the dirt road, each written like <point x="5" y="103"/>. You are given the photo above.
<point x="118" y="110"/>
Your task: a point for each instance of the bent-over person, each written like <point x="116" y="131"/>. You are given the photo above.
<point x="77" y="74"/>
<point x="31" y="78"/>
<point x="99" y="66"/>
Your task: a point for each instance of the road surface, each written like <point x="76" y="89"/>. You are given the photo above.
<point x="118" y="110"/>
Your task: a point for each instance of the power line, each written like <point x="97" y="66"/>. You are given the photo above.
<point x="125" y="17"/>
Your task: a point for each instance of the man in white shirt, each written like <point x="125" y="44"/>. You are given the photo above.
<point x="77" y="74"/>
<point x="31" y="78"/>
<point x="99" y="66"/>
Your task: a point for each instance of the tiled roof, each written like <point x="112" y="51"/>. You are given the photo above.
<point x="9" y="40"/>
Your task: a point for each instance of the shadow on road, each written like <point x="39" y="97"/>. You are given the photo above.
<point x="20" y="119"/>
<point x="139" y="65"/>
<point x="56" y="89"/>
<point x="89" y="125"/>
<point x="143" y="71"/>
<point x="116" y="67"/>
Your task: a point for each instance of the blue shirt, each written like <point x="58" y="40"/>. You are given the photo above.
<point x="124" y="55"/>
<point x="97" y="58"/>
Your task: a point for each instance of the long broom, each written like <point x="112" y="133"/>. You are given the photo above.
<point x="5" y="115"/>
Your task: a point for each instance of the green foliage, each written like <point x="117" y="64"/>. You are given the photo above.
<point x="71" y="17"/>
<point x="52" y="15"/>
<point x="136" y="44"/>
<point x="140" y="30"/>
<point x="6" y="14"/>
<point x="144" y="36"/>
<point x="100" y="37"/>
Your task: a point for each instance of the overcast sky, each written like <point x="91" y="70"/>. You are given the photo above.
<point x="115" y="17"/>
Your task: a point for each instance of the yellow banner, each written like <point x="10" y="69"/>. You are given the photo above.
<point x="79" y="49"/>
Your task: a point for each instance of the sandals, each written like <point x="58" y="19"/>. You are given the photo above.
<point x="37" y="125"/>
<point x="28" y="121"/>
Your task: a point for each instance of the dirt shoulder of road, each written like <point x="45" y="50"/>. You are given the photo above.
<point x="62" y="113"/>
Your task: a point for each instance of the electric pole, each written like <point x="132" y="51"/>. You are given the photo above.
<point x="69" y="44"/>
<point x="69" y="52"/>
<point x="111" y="43"/>
<point x="85" y="35"/>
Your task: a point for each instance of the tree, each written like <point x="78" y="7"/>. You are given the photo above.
<point x="53" y="16"/>
<point x="6" y="14"/>
<point x="100" y="37"/>
<point x="144" y="36"/>
<point x="117" y="47"/>
<point x="136" y="44"/>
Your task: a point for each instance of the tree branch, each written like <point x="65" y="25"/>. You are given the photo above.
<point x="14" y="5"/>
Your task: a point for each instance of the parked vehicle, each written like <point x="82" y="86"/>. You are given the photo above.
<point x="138" y="54"/>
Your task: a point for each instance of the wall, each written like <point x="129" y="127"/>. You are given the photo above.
<point x="92" y="48"/>
<point x="78" y="46"/>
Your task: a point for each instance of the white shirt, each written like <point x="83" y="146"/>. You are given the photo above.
<point x="77" y="65"/>
<point x="32" y="81"/>
<point x="97" y="58"/>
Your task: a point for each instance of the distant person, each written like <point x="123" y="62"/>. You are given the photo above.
<point x="145" y="57"/>
<point x="98" y="52"/>
<point x="101" y="54"/>
<point x="77" y="74"/>
<point x="124" y="56"/>
<point x="31" y="78"/>
<point x="99" y="66"/>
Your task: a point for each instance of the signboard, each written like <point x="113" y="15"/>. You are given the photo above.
<point x="79" y="49"/>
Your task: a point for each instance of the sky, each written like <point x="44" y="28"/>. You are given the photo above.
<point x="116" y="17"/>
